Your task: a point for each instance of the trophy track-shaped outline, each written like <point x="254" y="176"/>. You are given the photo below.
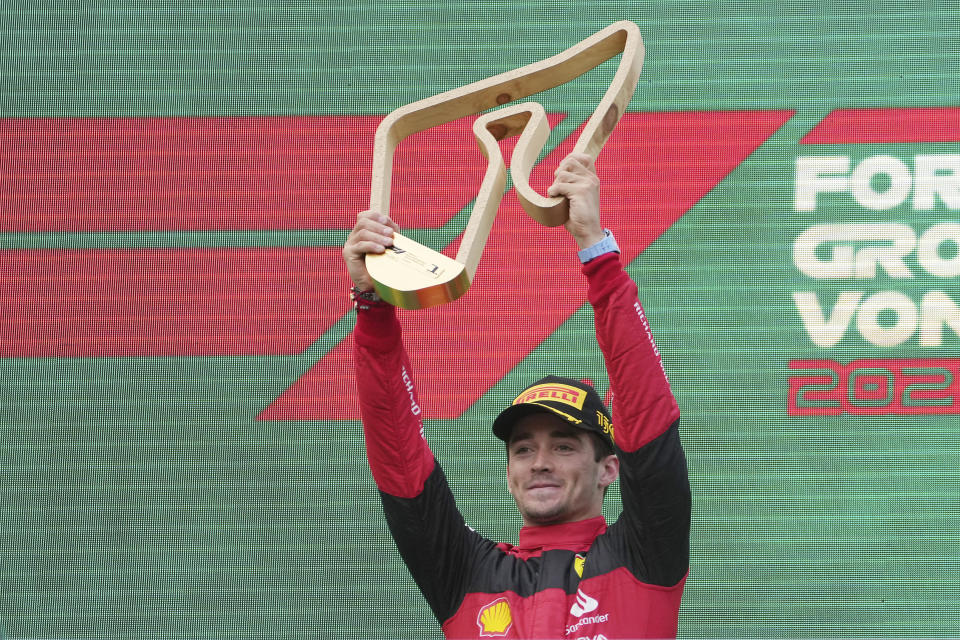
<point x="413" y="276"/>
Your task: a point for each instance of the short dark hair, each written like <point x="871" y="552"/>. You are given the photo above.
<point x="601" y="448"/>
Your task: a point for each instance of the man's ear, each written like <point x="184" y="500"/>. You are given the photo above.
<point x="610" y="470"/>
<point x="509" y="487"/>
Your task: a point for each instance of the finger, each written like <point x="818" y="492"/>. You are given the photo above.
<point x="576" y="163"/>
<point x="363" y="247"/>
<point x="377" y="234"/>
<point x="566" y="189"/>
<point x="573" y="177"/>
<point x="377" y="217"/>
<point x="582" y="159"/>
<point x="572" y="173"/>
<point x="386" y="221"/>
<point x="364" y="241"/>
<point x="377" y="224"/>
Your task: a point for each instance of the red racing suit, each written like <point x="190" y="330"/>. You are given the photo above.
<point x="582" y="580"/>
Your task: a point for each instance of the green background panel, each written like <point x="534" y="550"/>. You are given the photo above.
<point x="142" y="498"/>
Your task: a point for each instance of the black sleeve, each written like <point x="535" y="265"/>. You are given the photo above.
<point x="435" y="543"/>
<point x="652" y="535"/>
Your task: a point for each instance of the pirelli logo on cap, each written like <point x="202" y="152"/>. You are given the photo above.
<point x="554" y="392"/>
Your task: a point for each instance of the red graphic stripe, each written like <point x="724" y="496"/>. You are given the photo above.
<point x="237" y="173"/>
<point x="655" y="168"/>
<point x="184" y="302"/>
<point x="202" y="302"/>
<point x="861" y="126"/>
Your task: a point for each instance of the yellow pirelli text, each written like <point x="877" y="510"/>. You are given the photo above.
<point x="555" y="392"/>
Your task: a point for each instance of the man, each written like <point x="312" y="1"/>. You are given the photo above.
<point x="570" y="576"/>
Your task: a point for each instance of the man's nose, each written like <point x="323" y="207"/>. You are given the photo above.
<point x="543" y="460"/>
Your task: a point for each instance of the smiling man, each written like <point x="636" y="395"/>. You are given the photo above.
<point x="570" y="575"/>
<point x="560" y="456"/>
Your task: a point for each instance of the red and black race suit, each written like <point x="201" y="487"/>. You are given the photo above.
<point x="575" y="580"/>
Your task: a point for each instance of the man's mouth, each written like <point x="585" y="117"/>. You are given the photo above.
<point x="543" y="485"/>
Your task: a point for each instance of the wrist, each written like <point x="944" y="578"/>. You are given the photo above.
<point x="363" y="298"/>
<point x="591" y="238"/>
<point x="605" y="244"/>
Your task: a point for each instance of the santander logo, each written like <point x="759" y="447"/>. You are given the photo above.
<point x="583" y="605"/>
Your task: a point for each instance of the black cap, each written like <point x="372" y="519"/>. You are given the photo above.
<point x="576" y="402"/>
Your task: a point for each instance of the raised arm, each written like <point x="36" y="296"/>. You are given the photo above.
<point x="396" y="449"/>
<point x="655" y="524"/>
<point x="420" y="509"/>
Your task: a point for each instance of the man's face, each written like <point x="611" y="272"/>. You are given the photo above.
<point x="552" y="473"/>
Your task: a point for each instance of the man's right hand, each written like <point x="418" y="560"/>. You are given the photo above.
<point x="373" y="233"/>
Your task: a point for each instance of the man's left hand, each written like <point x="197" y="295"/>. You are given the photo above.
<point x="576" y="179"/>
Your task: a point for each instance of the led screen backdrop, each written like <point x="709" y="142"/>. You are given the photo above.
<point x="181" y="453"/>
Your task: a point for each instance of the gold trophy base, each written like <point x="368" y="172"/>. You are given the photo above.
<point x="410" y="275"/>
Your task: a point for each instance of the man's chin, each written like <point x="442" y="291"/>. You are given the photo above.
<point x="544" y="514"/>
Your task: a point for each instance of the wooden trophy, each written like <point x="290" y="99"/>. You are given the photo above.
<point x="413" y="276"/>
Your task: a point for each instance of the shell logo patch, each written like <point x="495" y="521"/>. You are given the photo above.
<point x="495" y="619"/>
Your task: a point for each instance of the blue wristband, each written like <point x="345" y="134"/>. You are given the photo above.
<point x="607" y="245"/>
